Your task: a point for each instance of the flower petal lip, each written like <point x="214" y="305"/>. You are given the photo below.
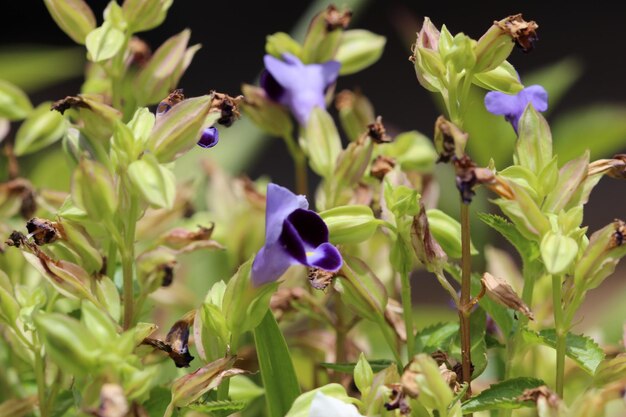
<point x="512" y="106"/>
<point x="297" y="86"/>
<point x="293" y="235"/>
<point x="209" y="138"/>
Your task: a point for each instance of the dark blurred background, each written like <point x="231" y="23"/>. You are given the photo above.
<point x="233" y="37"/>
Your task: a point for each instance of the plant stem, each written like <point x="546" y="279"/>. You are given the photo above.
<point x="561" y="333"/>
<point x="128" y="259"/>
<point x="465" y="306"/>
<point x="391" y="341"/>
<point x="40" y="376"/>
<point x="407" y="309"/>
<point x="111" y="259"/>
<point x="299" y="160"/>
<point x="340" y="342"/>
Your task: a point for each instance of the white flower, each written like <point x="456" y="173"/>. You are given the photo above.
<point x="326" y="406"/>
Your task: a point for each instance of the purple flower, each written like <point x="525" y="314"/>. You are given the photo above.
<point x="297" y="86"/>
<point x="293" y="235"/>
<point x="209" y="138"/>
<point x="513" y="106"/>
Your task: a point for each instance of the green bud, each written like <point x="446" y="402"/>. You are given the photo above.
<point x="428" y="64"/>
<point x="358" y="49"/>
<point x="190" y="387"/>
<point x="215" y="334"/>
<point x="400" y="199"/>
<point x="533" y="149"/>
<point x="14" y="103"/>
<point x="445" y="40"/>
<point x="493" y="47"/>
<point x="350" y="224"/>
<point x="447" y="232"/>
<point x="279" y="43"/>
<point x="98" y="119"/>
<point x="108" y="296"/>
<point x="322" y="142"/>
<point x="31" y="301"/>
<point x="557" y="252"/>
<point x="524" y="177"/>
<point x="324" y="35"/>
<point x="265" y="113"/>
<point x="504" y="78"/>
<point x="412" y="150"/>
<point x="570" y="179"/>
<point x="143" y="15"/>
<point x="76" y="238"/>
<point x="9" y="309"/>
<point x="244" y="305"/>
<point x="69" y="343"/>
<point x="606" y="248"/>
<point x="154" y="182"/>
<point x="93" y="190"/>
<point x="461" y="53"/>
<point x="423" y="376"/>
<point x="74" y="17"/>
<point x="98" y="323"/>
<point x="142" y="124"/>
<point x="361" y="289"/>
<point x="162" y="73"/>
<point x="179" y="129"/>
<point x="525" y="213"/>
<point x="352" y="164"/>
<point x="41" y="128"/>
<point x="124" y="150"/>
<point x="104" y="42"/>
<point x="570" y="220"/>
<point x="115" y="16"/>
<point x="355" y="113"/>
<point x="363" y="375"/>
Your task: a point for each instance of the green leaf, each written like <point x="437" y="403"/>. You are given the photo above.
<point x="502" y="396"/>
<point x="321" y="142"/>
<point x="104" y="42"/>
<point x="504" y="78"/>
<point x="41" y="128"/>
<point x="14" y="103"/>
<point x="74" y="17"/>
<point x="558" y="252"/>
<point x="534" y="145"/>
<point x="527" y="249"/>
<point x="363" y="374"/>
<point x="277" y="371"/>
<point x="582" y="349"/>
<point x="377" y="365"/>
<point x="361" y="289"/>
<point x="154" y="182"/>
<point x="599" y="128"/>
<point x="158" y="401"/>
<point x="227" y="407"/>
<point x="358" y="49"/>
<point x="437" y="336"/>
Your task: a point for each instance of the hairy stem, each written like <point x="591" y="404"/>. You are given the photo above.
<point x="465" y="306"/>
<point x="561" y="333"/>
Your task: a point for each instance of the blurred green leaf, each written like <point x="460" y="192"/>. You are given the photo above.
<point x="599" y="128"/>
<point x="348" y="368"/>
<point x="34" y="67"/>
<point x="502" y="396"/>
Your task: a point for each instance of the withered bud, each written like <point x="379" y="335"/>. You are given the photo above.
<point x="282" y="300"/>
<point x="113" y="403"/>
<point x="377" y="132"/>
<point x="398" y="400"/>
<point x="617" y="238"/>
<point x="20" y="188"/>
<point x="69" y="102"/>
<point x="450" y="377"/>
<point x="457" y="368"/>
<point x="140" y="52"/>
<point x="427" y="249"/>
<point x="176" y="342"/>
<point x="615" y="167"/>
<point x="16" y="239"/>
<point x="43" y="231"/>
<point x="228" y="106"/>
<point x="523" y="33"/>
<point x="466" y="180"/>
<point x="502" y="293"/>
<point x="168" y="273"/>
<point x="393" y="316"/>
<point x="336" y="19"/>
<point x="381" y="166"/>
<point x="344" y="100"/>
<point x="170" y="101"/>
<point x="449" y="140"/>
<point x="534" y="394"/>
<point x="320" y="279"/>
<point x="179" y="237"/>
<point x="440" y="357"/>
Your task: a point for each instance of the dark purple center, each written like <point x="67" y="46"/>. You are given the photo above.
<point x="273" y="90"/>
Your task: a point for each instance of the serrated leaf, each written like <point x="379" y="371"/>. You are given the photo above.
<point x="218" y="406"/>
<point x="581" y="349"/>
<point x="527" y="249"/>
<point x="502" y="396"/>
<point x="437" y="336"/>
<point x="348" y="367"/>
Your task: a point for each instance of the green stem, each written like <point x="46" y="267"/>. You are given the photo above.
<point x="465" y="305"/>
<point x="112" y="259"/>
<point x="391" y="342"/>
<point x="128" y="259"/>
<point x="299" y="160"/>
<point x="561" y="333"/>
<point x="341" y="331"/>
<point x="407" y="309"/>
<point x="40" y="376"/>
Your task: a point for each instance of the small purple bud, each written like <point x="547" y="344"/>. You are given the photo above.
<point x="210" y="137"/>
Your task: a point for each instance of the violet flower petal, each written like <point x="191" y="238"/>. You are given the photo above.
<point x="325" y="256"/>
<point x="280" y="204"/>
<point x="513" y="106"/>
<point x="269" y="264"/>
<point x="209" y="138"/>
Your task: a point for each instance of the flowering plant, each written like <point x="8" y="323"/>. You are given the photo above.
<point x="298" y="302"/>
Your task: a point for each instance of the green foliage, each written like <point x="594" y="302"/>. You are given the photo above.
<point x="504" y="395"/>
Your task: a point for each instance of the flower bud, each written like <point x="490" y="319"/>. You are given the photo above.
<point x="93" y="190"/>
<point x="427" y="249"/>
<point x="69" y="279"/>
<point x="428" y="36"/>
<point x="74" y="17"/>
<point x="352" y="164"/>
<point x="143" y="15"/>
<point x="461" y="53"/>
<point x="350" y="224"/>
<point x="155" y="268"/>
<point x="14" y="103"/>
<point x="502" y="293"/>
<point x="98" y="119"/>
<point x="503" y="78"/>
<point x="412" y="151"/>
<point x="449" y="140"/>
<point x="41" y="128"/>
<point x="358" y="49"/>
<point x="113" y="403"/>
<point x="104" y="42"/>
<point x="279" y="43"/>
<point x="447" y="232"/>
<point x="265" y="113"/>
<point x="355" y="113"/>
<point x="322" y="143"/>
<point x="494" y="46"/>
<point x="324" y="35"/>
<point x="422" y="379"/>
<point x="178" y="130"/>
<point x="154" y="182"/>
<point x="68" y="342"/>
<point x="76" y="237"/>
